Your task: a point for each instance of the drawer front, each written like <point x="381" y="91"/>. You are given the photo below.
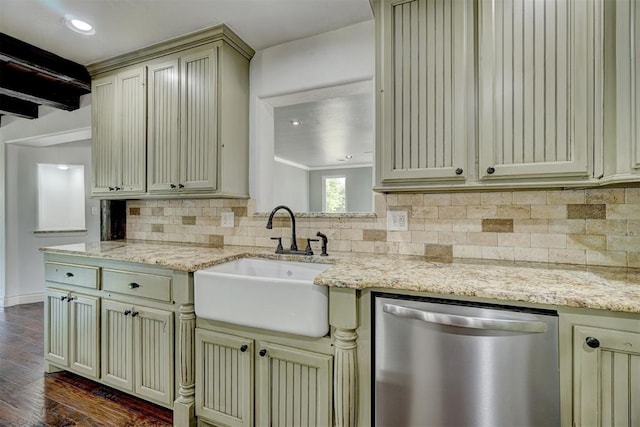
<point x="71" y="274"/>
<point x="137" y="284"/>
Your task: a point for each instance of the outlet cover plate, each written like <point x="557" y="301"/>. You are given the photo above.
<point x="397" y="221"/>
<point x="228" y="219"/>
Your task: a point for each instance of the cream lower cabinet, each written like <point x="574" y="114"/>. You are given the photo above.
<point x="71" y="338"/>
<point x="236" y="375"/>
<point x="602" y="369"/>
<point x="137" y="350"/>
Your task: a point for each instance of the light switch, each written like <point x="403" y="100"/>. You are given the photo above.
<point x="95" y="210"/>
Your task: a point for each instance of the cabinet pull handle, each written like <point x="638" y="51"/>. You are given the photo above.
<point x="133" y="285"/>
<point x="127" y="312"/>
<point x="112" y="189"/>
<point x="172" y="185"/>
<point x="244" y="348"/>
<point x="263" y="353"/>
<point x="68" y="274"/>
<point x="592" y="342"/>
<point x="70" y="299"/>
<point x="180" y="185"/>
<point x="134" y="314"/>
<point x="459" y="171"/>
<point x="491" y="170"/>
<point x="63" y="298"/>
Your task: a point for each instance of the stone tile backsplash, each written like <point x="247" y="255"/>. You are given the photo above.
<point x="589" y="227"/>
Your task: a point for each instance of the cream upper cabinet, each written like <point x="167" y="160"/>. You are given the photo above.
<point x="425" y="84"/>
<point x="185" y="131"/>
<point x="119" y="133"/>
<point x="539" y="87"/>
<point x="183" y="140"/>
<point x="628" y="87"/>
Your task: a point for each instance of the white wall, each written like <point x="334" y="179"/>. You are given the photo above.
<point x="50" y="124"/>
<point x="291" y="187"/>
<point x="25" y="268"/>
<point x="337" y="57"/>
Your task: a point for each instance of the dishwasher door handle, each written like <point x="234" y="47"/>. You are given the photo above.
<point x="465" y="321"/>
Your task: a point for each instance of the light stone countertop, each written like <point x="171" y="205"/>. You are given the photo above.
<point x="615" y="289"/>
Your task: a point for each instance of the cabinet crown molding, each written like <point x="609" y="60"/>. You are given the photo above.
<point x="216" y="33"/>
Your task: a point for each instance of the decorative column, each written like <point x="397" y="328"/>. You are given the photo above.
<point x="183" y="407"/>
<point x="345" y="378"/>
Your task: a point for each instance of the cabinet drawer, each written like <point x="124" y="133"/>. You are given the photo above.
<point x="71" y="274"/>
<point x="137" y="284"/>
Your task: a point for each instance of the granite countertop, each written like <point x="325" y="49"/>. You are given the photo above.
<point x="616" y="289"/>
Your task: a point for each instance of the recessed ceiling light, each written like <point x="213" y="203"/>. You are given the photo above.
<point x="295" y="122"/>
<point x="78" y="25"/>
<point x="348" y="156"/>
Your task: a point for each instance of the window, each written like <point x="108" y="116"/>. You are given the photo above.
<point x="334" y="195"/>
<point x="61" y="197"/>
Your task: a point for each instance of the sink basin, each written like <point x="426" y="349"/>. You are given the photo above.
<point x="268" y="294"/>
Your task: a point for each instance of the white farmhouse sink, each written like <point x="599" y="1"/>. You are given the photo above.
<point x="268" y="294"/>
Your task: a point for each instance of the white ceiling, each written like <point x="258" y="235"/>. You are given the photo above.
<point x="125" y="25"/>
<point x="329" y="131"/>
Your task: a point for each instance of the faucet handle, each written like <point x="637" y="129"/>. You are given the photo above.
<point x="324" y="243"/>
<point x="307" y="250"/>
<point x="279" y="248"/>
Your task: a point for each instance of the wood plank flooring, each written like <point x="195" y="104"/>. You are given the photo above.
<point x="29" y="397"/>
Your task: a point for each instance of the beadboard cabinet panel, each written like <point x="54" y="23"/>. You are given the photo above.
<point x="606" y="378"/>
<point x="539" y="87"/>
<point x="131" y="119"/>
<point x="153" y="349"/>
<point x="119" y="126"/>
<point x="84" y="333"/>
<point x="163" y="127"/>
<point x="628" y="85"/>
<point x="293" y="387"/>
<point x="198" y="137"/>
<point x="56" y="338"/>
<point x="117" y="345"/>
<point x="427" y="46"/>
<point x="224" y="368"/>
<point x="104" y="151"/>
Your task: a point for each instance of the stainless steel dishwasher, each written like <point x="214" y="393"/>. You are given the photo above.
<point x="447" y="363"/>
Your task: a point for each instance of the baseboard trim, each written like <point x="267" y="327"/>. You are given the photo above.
<point x="22" y="299"/>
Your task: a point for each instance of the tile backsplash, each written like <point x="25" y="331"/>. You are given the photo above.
<point x="589" y="227"/>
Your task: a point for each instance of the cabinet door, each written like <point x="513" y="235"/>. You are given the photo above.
<point x="426" y="86"/>
<point x="56" y="333"/>
<point x="163" y="148"/>
<point x="606" y="378"/>
<point x="628" y="82"/>
<point x="224" y="378"/>
<point x="104" y="144"/>
<point x="540" y="77"/>
<point x="153" y="353"/>
<point x="83" y="335"/>
<point x="293" y="387"/>
<point x="131" y="130"/>
<point x="198" y="120"/>
<point x="117" y="344"/>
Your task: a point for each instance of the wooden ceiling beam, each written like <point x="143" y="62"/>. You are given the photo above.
<point x="40" y="61"/>
<point x="32" y="87"/>
<point x="18" y="107"/>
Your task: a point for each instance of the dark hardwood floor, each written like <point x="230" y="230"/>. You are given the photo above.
<point x="29" y="397"/>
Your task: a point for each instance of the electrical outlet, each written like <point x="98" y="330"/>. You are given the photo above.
<point x="228" y="219"/>
<point x="397" y="221"/>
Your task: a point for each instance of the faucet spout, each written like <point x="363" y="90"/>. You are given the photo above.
<point x="294" y="245"/>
